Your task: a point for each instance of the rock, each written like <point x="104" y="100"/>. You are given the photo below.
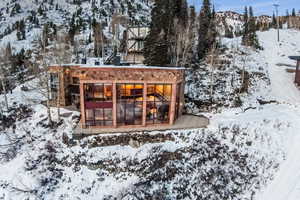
<point x="134" y="143"/>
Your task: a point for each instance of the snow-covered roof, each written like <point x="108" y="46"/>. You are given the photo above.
<point x="114" y="66"/>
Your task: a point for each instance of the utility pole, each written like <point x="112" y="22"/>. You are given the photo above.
<point x="276" y="8"/>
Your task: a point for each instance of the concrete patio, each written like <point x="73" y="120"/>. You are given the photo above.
<point x="184" y="122"/>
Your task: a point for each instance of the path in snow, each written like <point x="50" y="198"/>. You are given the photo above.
<point x="281" y="82"/>
<point x="286" y="183"/>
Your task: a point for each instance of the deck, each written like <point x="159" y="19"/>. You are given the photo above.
<point x="184" y="122"/>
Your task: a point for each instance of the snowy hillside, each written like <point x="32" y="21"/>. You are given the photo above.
<point x="37" y="13"/>
<point x="231" y="23"/>
<point x="236" y="157"/>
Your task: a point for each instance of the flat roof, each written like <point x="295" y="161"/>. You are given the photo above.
<point x="118" y="67"/>
<point x="295" y="57"/>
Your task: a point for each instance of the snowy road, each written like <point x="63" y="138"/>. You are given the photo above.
<point x="286" y="183"/>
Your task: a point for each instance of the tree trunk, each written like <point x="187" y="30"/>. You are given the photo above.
<point x="58" y="98"/>
<point x="48" y="103"/>
<point x="212" y="73"/>
<point x="5" y="93"/>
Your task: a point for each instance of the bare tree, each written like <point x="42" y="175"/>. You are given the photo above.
<point x="4" y="62"/>
<point x="184" y="40"/>
<point x="244" y="86"/>
<point x="38" y="65"/>
<point x="99" y="39"/>
<point x="212" y="61"/>
<point x="62" y="54"/>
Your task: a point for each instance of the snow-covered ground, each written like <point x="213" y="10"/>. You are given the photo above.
<point x="236" y="157"/>
<point x="286" y="183"/>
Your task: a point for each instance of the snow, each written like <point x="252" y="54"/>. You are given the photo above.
<point x="120" y="67"/>
<point x="266" y="137"/>
<point x="277" y="53"/>
<point x="286" y="184"/>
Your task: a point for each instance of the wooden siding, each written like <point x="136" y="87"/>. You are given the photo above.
<point x="116" y="75"/>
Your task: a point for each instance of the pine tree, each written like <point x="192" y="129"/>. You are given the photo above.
<point x="287" y="18"/>
<point x="8" y="50"/>
<point x="169" y="20"/>
<point x="21" y="33"/>
<point x="245" y="27"/>
<point x="274" y="21"/>
<point x="206" y="26"/>
<point x="45" y="35"/>
<point x="253" y="29"/>
<point x="23" y="29"/>
<point x="249" y="36"/>
<point x="156" y="44"/>
<point x="293" y="12"/>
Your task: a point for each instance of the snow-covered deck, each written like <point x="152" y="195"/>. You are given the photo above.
<point x="184" y="122"/>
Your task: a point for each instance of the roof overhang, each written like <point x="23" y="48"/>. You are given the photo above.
<point x="297" y="58"/>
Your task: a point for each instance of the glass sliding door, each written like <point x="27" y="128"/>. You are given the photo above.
<point x="98" y="104"/>
<point x="130" y="104"/>
<point x="158" y="103"/>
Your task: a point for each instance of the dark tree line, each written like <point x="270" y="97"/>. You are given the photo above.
<point x="207" y="29"/>
<point x="171" y="37"/>
<point x="249" y="37"/>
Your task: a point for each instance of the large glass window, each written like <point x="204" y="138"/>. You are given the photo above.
<point x="158" y="103"/>
<point x="98" y="104"/>
<point x="130" y="104"/>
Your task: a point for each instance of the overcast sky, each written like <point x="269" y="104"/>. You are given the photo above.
<point x="261" y="7"/>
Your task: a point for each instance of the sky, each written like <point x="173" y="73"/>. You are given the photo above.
<point x="260" y="7"/>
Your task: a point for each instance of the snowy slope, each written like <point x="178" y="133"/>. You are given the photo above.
<point x="60" y="13"/>
<point x="287" y="181"/>
<point x="277" y="53"/>
<point x="236" y="157"/>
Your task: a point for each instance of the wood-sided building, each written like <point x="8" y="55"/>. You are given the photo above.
<point x="297" y="72"/>
<point x="120" y="96"/>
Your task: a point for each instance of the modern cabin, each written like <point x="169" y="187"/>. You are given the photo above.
<point x="119" y="96"/>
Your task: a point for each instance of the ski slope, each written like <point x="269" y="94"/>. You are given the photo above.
<point x="276" y="53"/>
<point x="286" y="183"/>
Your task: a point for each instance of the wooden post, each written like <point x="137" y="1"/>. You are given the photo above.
<point x="82" y="106"/>
<point x="173" y="103"/>
<point x="145" y="104"/>
<point x="114" y="104"/>
<point x="297" y="81"/>
<point x="61" y="93"/>
<point x="182" y="99"/>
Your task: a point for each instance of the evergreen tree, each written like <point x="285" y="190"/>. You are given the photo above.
<point x="249" y="35"/>
<point x="253" y="28"/>
<point x="293" y="12"/>
<point x="168" y="17"/>
<point x="274" y="21"/>
<point x="287" y="18"/>
<point x="8" y="51"/>
<point x="206" y="26"/>
<point x="287" y="13"/>
<point x="245" y="27"/>
<point x="45" y="35"/>
<point x="21" y="33"/>
<point x="23" y="29"/>
<point x="156" y="44"/>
